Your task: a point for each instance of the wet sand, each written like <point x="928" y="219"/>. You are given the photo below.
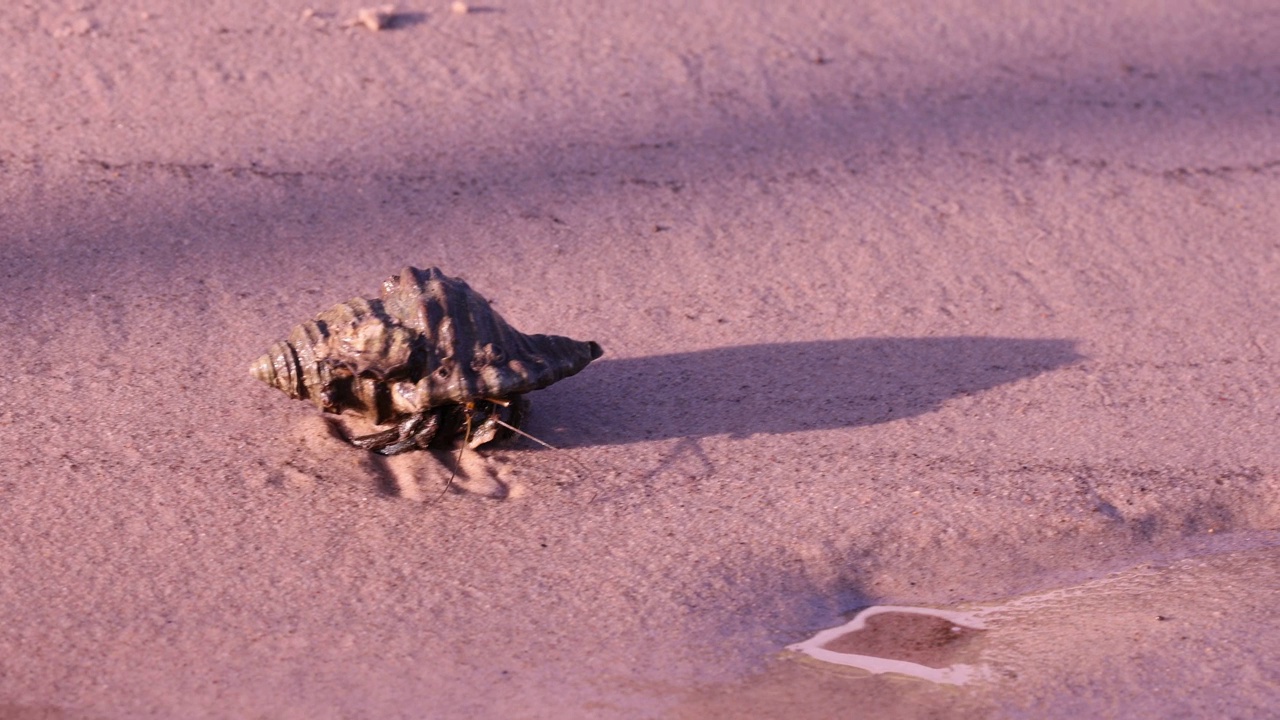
<point x="937" y="306"/>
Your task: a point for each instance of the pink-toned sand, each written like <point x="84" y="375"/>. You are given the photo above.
<point x="939" y="304"/>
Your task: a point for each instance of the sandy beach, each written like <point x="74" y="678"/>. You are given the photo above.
<point x="958" y="306"/>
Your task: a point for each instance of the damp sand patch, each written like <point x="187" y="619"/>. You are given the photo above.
<point x="1189" y="638"/>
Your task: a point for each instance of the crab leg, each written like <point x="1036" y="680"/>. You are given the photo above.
<point x="417" y="431"/>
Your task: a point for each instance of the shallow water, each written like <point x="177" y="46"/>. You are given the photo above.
<point x="1192" y="637"/>
<point x="916" y="642"/>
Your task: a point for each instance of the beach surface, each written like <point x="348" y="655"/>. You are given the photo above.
<point x="952" y="305"/>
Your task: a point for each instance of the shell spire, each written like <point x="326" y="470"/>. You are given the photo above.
<point x="279" y="369"/>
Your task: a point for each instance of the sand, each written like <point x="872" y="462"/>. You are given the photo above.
<point x="943" y="305"/>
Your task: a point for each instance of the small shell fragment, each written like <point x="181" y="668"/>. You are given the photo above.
<point x="376" y="18"/>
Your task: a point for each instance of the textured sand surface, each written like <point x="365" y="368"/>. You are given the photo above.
<point x="937" y="304"/>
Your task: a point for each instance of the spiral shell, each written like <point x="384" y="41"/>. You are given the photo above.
<point x="428" y="341"/>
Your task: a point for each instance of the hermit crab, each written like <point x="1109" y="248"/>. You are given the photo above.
<point x="429" y="359"/>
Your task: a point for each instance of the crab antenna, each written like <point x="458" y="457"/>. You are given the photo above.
<point x="542" y="443"/>
<point x="518" y="431"/>
<point x="457" y="462"/>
